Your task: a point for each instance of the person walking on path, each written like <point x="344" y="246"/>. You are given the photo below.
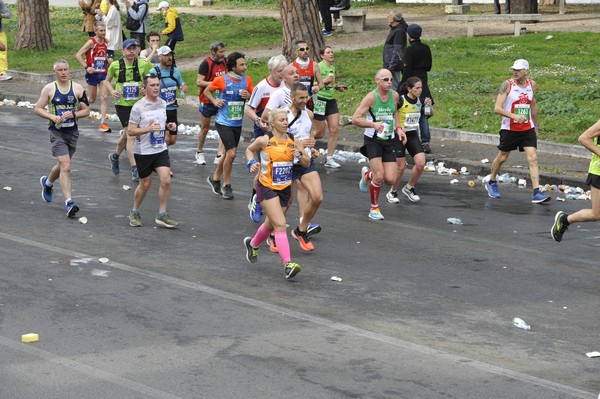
<point x="137" y="14"/>
<point x="173" y="29"/>
<point x="519" y="128"/>
<point x="325" y="107"/>
<point x="590" y="139"/>
<point x="234" y="88"/>
<point x="209" y="69"/>
<point x="148" y="124"/>
<point x="95" y="64"/>
<point x="4" y="13"/>
<point x="67" y="103"/>
<point x="278" y="153"/>
<point x="114" y="34"/>
<point x="395" y="46"/>
<point x="377" y="114"/>
<point x="410" y="111"/>
<point x="417" y="62"/>
<point x="128" y="71"/>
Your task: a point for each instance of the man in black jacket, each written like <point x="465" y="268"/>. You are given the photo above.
<point x="395" y="45"/>
<point x="417" y="62"/>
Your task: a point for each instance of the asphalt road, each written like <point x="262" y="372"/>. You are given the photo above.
<point x="424" y="309"/>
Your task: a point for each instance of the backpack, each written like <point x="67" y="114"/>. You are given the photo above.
<point x="135" y="24"/>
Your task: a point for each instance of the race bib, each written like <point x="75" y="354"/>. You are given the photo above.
<point x="169" y="94"/>
<point x="523" y="110"/>
<point x="412" y="121"/>
<point x="282" y="173"/>
<point x="100" y="64"/>
<point x="319" y="107"/>
<point x="66" y="122"/>
<point x="157" y="138"/>
<point x="235" y="110"/>
<point x="131" y="91"/>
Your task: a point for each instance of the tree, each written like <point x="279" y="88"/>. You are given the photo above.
<point x="523" y="6"/>
<point x="34" y="25"/>
<point x="300" y="20"/>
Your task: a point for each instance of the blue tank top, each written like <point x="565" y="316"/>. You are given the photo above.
<point x="232" y="112"/>
<point x="61" y="103"/>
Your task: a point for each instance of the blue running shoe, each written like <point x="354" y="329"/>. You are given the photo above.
<point x="46" y="191"/>
<point x="313" y="229"/>
<point x="114" y="163"/>
<point x="72" y="209"/>
<point x="255" y="210"/>
<point x="364" y="182"/>
<point x="375" y="214"/>
<point x="492" y="189"/>
<point x="327" y="33"/>
<point x="540" y="198"/>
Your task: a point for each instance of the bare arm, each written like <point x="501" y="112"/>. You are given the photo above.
<point x="358" y="119"/>
<point x="320" y="84"/>
<point x="499" y="106"/>
<point x="200" y="82"/>
<point x="80" y="54"/>
<point x="587" y="138"/>
<point x="40" y="106"/>
<point x="252" y="149"/>
<point x="300" y="153"/>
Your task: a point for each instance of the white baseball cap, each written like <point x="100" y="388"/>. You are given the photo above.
<point x="520" y="64"/>
<point x="164" y="50"/>
<point x="162" y="4"/>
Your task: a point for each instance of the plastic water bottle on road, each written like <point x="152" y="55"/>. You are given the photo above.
<point x="520" y="323"/>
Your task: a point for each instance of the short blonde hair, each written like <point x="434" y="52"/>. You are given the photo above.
<point x="274" y="113"/>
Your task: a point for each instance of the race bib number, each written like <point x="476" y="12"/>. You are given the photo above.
<point x="131" y="91"/>
<point x="282" y="173"/>
<point x="235" y="110"/>
<point x="319" y="107"/>
<point x="169" y="94"/>
<point x="66" y="122"/>
<point x="412" y="121"/>
<point x="157" y="138"/>
<point x="523" y="110"/>
<point x="100" y="64"/>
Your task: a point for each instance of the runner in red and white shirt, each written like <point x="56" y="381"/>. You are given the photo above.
<point x="308" y="70"/>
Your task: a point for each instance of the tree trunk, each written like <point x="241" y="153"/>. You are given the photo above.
<point x="34" y="26"/>
<point x="300" y="20"/>
<point x="523" y="7"/>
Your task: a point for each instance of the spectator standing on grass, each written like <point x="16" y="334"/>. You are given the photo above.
<point x="324" y="9"/>
<point x="172" y="29"/>
<point x="590" y="140"/>
<point x="4" y="13"/>
<point x="151" y="53"/>
<point x="114" y="35"/>
<point x="417" y="62"/>
<point x="138" y="11"/>
<point x="519" y="128"/>
<point x="89" y="8"/>
<point x="395" y="45"/>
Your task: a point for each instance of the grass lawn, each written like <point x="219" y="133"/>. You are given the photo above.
<point x="465" y="78"/>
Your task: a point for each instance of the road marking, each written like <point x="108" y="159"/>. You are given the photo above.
<point x="438" y="354"/>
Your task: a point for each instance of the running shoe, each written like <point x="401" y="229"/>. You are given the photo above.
<point x="5" y="77"/>
<point x="313" y="229"/>
<point x="559" y="227"/>
<point x="364" y="182"/>
<point x="104" y="128"/>
<point x="327" y="33"/>
<point x="392" y="197"/>
<point x="135" y="175"/>
<point x="114" y="163"/>
<point x="251" y="252"/>
<point x="411" y="194"/>
<point x="331" y="163"/>
<point x="272" y="244"/>
<point x="492" y="189"/>
<point x="46" y="191"/>
<point x="255" y="210"/>
<point x="135" y="219"/>
<point x="227" y="192"/>
<point x="72" y="209"/>
<point x="291" y="269"/>
<point x="426" y="148"/>
<point x="540" y="198"/>
<point x="303" y="240"/>
<point x="217" y="159"/>
<point x="375" y="214"/>
<point x="200" y="158"/>
<point x="165" y="221"/>
<point x="215" y="185"/>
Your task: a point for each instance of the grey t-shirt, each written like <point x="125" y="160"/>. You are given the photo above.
<point x="141" y="113"/>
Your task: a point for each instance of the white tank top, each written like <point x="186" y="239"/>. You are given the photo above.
<point x="518" y="102"/>
<point x="301" y="127"/>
